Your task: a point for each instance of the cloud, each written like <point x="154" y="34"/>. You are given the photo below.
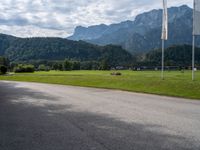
<point x="26" y="18"/>
<point x="31" y="31"/>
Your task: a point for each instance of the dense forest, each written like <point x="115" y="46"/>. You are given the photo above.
<point x="180" y="55"/>
<point x="33" y="49"/>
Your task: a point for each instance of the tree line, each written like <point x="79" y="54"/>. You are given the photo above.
<point x="179" y="56"/>
<point x="65" y="65"/>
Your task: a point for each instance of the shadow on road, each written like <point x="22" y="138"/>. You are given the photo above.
<point x="49" y="126"/>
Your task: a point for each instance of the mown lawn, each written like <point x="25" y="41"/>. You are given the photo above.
<point x="176" y="83"/>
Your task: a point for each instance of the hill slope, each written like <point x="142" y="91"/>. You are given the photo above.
<point x="174" y="56"/>
<point x="25" y="49"/>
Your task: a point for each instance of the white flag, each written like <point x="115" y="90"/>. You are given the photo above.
<point x="165" y="21"/>
<point x="196" y="18"/>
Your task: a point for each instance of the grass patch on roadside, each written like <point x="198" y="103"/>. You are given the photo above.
<point x="176" y="83"/>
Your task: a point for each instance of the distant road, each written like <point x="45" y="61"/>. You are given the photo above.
<point x="54" y="117"/>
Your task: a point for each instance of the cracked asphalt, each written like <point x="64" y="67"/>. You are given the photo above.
<point x="37" y="116"/>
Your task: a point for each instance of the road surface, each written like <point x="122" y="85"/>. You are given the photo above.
<point x="54" y="117"/>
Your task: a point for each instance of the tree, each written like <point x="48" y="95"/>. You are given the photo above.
<point x="57" y="66"/>
<point x="67" y="65"/>
<point x="60" y="67"/>
<point x="4" y="61"/>
<point x="13" y="65"/>
<point x="104" y="65"/>
<point x="86" y="65"/>
<point x="3" y="69"/>
<point x="76" y="65"/>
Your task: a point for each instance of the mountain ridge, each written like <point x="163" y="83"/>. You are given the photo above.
<point x="137" y="36"/>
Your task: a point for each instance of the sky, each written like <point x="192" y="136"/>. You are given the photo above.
<point x="58" y="18"/>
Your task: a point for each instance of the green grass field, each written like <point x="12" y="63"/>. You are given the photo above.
<point x="176" y="83"/>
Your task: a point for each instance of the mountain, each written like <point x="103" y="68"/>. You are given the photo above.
<point x="27" y="49"/>
<point x="142" y="34"/>
<point x="95" y="32"/>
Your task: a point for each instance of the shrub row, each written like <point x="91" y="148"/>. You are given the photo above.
<point x="24" y="69"/>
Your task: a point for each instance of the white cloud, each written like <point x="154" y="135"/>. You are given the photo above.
<point x="26" y="18"/>
<point x="31" y="31"/>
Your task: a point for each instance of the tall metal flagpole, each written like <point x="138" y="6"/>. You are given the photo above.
<point x="193" y="58"/>
<point x="163" y="57"/>
<point x="193" y="45"/>
<point x="164" y="35"/>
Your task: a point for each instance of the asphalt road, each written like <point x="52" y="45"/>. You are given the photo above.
<point x="54" y="117"/>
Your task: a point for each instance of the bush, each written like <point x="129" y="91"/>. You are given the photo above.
<point x="3" y="70"/>
<point x="116" y="74"/>
<point x="24" y="69"/>
<point x="43" y="68"/>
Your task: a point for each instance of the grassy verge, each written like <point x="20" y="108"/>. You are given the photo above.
<point x="175" y="84"/>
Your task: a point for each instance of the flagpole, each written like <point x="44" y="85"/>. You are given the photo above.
<point x="163" y="56"/>
<point x="164" y="35"/>
<point x="193" y="58"/>
<point x="193" y="46"/>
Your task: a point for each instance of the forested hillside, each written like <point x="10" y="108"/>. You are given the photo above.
<point x="174" y="56"/>
<point x="29" y="49"/>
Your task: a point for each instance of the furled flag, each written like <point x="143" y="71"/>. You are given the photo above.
<point x="196" y="18"/>
<point x="165" y="21"/>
